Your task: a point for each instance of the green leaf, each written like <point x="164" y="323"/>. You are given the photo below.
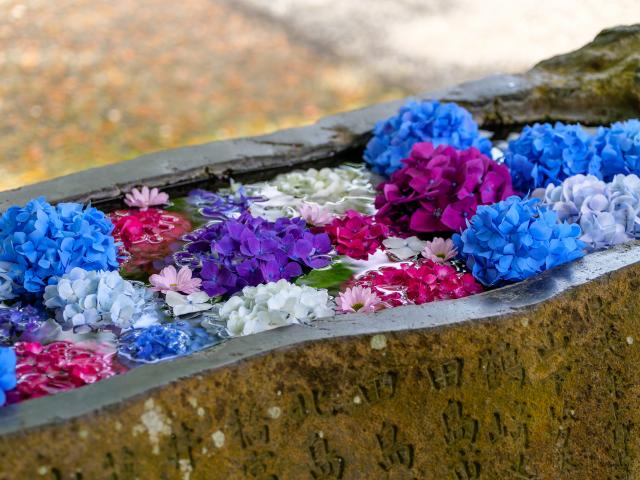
<point x="331" y="277"/>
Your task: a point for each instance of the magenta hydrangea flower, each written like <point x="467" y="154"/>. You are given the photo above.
<point x="356" y="235"/>
<point x="170" y="279"/>
<point x="145" y="198"/>
<point x="439" y="189"/>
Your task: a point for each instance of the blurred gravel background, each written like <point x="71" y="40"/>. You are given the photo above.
<point x="91" y="82"/>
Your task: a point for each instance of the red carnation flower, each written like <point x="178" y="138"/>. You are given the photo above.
<point x="356" y="235"/>
<point x="439" y="188"/>
<point x="417" y="283"/>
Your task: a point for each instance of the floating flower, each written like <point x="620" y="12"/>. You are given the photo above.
<point x="356" y="235"/>
<point x="315" y="215"/>
<point x="336" y="189"/>
<point x="8" y="289"/>
<point x="40" y="241"/>
<point x="401" y="249"/>
<point x="220" y="206"/>
<point x="273" y="305"/>
<point x="248" y="251"/>
<point x="145" y="198"/>
<point x="417" y="283"/>
<point x="59" y="366"/>
<point x="169" y="279"/>
<point x="7" y="372"/>
<point x="515" y="239"/>
<point x="326" y="185"/>
<point x="164" y="341"/>
<point x="98" y="299"/>
<point x="148" y="237"/>
<point x="439" y="189"/>
<point x="617" y="148"/>
<point x="416" y="122"/>
<point x="16" y="321"/>
<point x="273" y="204"/>
<point x="358" y="299"/>
<point x="608" y="214"/>
<point x="545" y="153"/>
<point x="185" y="304"/>
<point x="439" y="250"/>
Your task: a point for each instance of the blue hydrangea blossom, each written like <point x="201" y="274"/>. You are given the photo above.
<point x="545" y="154"/>
<point x="40" y="242"/>
<point x="168" y="340"/>
<point x="617" y="148"/>
<point x="7" y="372"/>
<point x="425" y="121"/>
<point x="516" y="239"/>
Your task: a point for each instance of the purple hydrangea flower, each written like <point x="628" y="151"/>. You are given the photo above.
<point x="426" y="121"/>
<point x="219" y="206"/>
<point x="618" y="148"/>
<point x="235" y="253"/>
<point x="40" y="242"/>
<point x="545" y="153"/>
<point x="516" y="239"/>
<point x="17" y="321"/>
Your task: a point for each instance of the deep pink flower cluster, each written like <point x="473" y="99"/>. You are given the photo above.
<point x="356" y="235"/>
<point x="57" y="367"/>
<point x="418" y="282"/>
<point x="439" y="188"/>
<point x="147" y="237"/>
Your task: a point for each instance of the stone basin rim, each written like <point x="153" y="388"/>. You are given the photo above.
<point x="489" y="305"/>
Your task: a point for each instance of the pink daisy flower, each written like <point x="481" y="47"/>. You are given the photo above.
<point x="176" y="281"/>
<point x="358" y="299"/>
<point x="439" y="250"/>
<point x="145" y="198"/>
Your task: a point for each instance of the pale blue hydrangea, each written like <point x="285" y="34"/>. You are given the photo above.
<point x="608" y="213"/>
<point x="96" y="299"/>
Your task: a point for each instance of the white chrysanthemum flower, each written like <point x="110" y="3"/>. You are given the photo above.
<point x="96" y="299"/>
<point x="608" y="213"/>
<point x="273" y="305"/>
<point x="336" y="189"/>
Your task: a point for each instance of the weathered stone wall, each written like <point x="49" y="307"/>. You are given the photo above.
<point x="544" y="391"/>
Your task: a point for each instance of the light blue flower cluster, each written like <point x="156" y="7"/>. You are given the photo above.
<point x="7" y="372"/>
<point x="515" y="239"/>
<point x="39" y="242"/>
<point x="545" y="153"/>
<point x="617" y="148"/>
<point x="94" y="299"/>
<point x="425" y="121"/>
<point x="608" y="213"/>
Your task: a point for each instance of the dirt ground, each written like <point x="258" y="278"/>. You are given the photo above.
<point x="86" y="83"/>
